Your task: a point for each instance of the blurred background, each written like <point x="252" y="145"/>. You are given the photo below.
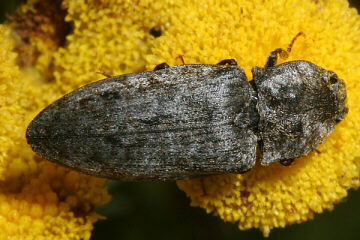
<point x="161" y="211"/>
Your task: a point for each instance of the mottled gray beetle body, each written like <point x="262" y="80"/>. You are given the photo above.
<point x="191" y="120"/>
<point x="299" y="104"/>
<point x="174" y="123"/>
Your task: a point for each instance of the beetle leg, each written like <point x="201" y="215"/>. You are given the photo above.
<point x="104" y="74"/>
<point x="161" y="66"/>
<point x="227" y="62"/>
<point x="203" y="186"/>
<point x="287" y="162"/>
<point x="244" y="171"/>
<point x="181" y="57"/>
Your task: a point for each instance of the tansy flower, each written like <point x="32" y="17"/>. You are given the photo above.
<point x="61" y="49"/>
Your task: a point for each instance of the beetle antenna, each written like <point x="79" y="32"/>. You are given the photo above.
<point x="284" y="54"/>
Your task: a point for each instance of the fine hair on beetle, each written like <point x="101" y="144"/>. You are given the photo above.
<point x="193" y="120"/>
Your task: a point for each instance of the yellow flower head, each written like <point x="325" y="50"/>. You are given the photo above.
<point x="119" y="37"/>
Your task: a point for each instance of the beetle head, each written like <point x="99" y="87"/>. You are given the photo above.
<point x="337" y="88"/>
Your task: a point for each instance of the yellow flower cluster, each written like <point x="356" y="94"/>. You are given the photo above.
<point x="38" y="200"/>
<point x="117" y="36"/>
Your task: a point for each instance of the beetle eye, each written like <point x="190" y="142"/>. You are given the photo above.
<point x="333" y="78"/>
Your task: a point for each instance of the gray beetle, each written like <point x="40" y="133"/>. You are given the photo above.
<point x="191" y="120"/>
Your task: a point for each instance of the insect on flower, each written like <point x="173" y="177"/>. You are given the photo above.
<point x="191" y="120"/>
